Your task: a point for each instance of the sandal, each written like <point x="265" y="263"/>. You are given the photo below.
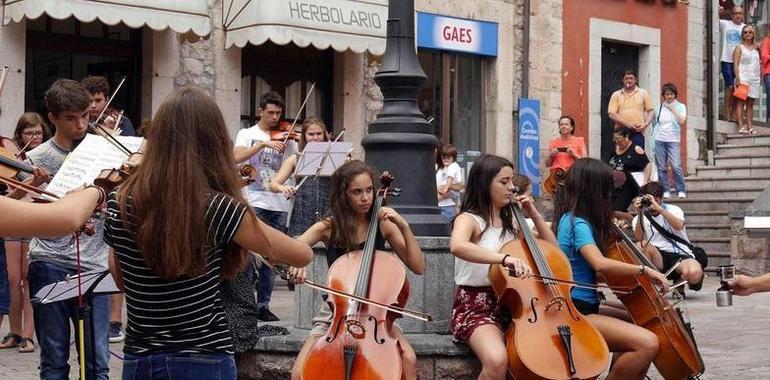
<point x="743" y="131"/>
<point x="751" y="131"/>
<point x="27" y="345"/>
<point x="5" y="343"/>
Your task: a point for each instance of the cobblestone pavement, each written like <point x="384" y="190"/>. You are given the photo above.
<point x="731" y="339"/>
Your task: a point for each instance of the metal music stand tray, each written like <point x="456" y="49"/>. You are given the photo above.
<point x="92" y="283"/>
<point x="328" y="155"/>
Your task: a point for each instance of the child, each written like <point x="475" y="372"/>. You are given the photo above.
<point x="484" y="225"/>
<point x="351" y="199"/>
<point x="449" y="181"/>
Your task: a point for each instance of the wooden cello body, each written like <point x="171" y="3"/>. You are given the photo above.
<point x="549" y="338"/>
<point x="359" y="343"/>
<point x="678" y="356"/>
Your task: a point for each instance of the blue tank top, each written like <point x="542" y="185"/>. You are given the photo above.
<point x="574" y="233"/>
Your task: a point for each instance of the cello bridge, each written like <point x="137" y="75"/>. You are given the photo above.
<point x="355" y="328"/>
<point x="558" y="302"/>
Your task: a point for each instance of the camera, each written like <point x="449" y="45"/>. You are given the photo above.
<point x="645" y="202"/>
<point x="562" y="149"/>
<point x="723" y="296"/>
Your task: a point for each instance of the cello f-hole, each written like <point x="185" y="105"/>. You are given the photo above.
<point x="331" y="338"/>
<point x="532" y="302"/>
<point x="376" y="329"/>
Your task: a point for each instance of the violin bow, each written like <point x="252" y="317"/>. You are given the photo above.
<point x="46" y="195"/>
<point x="95" y="126"/>
<point x="283" y="272"/>
<point x="296" y="117"/>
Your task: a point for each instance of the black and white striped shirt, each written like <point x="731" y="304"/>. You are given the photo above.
<point x="183" y="315"/>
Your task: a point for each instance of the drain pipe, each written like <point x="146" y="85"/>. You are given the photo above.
<point x="525" y="55"/>
<point x="711" y="85"/>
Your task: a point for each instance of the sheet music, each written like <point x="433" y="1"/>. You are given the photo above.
<point x="638" y="178"/>
<point x="336" y="153"/>
<point x="68" y="289"/>
<point x="84" y="164"/>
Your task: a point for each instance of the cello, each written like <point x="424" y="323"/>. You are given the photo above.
<point x="549" y="338"/>
<point x="359" y="343"/>
<point x="678" y="356"/>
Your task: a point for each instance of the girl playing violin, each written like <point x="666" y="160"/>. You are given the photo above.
<point x="584" y="224"/>
<point x="485" y="224"/>
<point x="351" y="199"/>
<point x="312" y="199"/>
<point x="31" y="130"/>
<point x="176" y="246"/>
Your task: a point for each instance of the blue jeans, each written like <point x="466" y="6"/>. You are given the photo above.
<point x="53" y="329"/>
<point x="766" y="78"/>
<point x="665" y="153"/>
<point x="277" y="220"/>
<point x="172" y="366"/>
<point x="638" y="139"/>
<point x="5" y="295"/>
<point x="448" y="212"/>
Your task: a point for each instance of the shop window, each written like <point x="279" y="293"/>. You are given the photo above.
<point x="452" y="100"/>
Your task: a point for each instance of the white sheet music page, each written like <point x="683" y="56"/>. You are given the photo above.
<point x="84" y="164"/>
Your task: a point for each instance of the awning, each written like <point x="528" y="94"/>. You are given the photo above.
<point x="357" y="25"/>
<point x="179" y="15"/>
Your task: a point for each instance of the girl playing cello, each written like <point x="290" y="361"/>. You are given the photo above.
<point x="584" y="224"/>
<point x="485" y="224"/>
<point x="351" y="198"/>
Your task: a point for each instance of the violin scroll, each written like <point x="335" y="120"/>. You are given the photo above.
<point x="108" y="179"/>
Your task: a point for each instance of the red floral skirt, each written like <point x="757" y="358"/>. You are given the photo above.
<point x="475" y="306"/>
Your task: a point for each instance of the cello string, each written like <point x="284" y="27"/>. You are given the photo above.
<point x="581" y="284"/>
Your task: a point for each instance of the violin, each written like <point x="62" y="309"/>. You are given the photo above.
<point x="10" y="164"/>
<point x="283" y="132"/>
<point x="360" y="343"/>
<point x="678" y="356"/>
<point x="549" y="338"/>
<point x="108" y="179"/>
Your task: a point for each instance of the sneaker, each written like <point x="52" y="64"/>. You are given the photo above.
<point x="117" y="334"/>
<point x="266" y="315"/>
<point x="682" y="194"/>
<point x="666" y="194"/>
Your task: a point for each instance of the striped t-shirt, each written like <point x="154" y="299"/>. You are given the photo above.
<point x="183" y="315"/>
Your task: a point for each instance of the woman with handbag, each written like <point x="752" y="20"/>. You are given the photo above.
<point x="747" y="78"/>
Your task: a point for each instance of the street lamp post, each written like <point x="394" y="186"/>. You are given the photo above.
<point x="400" y="140"/>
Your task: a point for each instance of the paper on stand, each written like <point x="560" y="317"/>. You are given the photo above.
<point x="91" y="156"/>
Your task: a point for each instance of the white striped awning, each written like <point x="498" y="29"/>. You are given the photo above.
<point x="357" y="25"/>
<point x="179" y="15"/>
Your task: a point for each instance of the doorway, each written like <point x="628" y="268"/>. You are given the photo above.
<point x="616" y="59"/>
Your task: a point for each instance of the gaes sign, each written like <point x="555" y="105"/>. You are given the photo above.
<point x="456" y="34"/>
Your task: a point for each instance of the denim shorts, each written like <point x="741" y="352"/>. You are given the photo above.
<point x="727" y="73"/>
<point x="172" y="366"/>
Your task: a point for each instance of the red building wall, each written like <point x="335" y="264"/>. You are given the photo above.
<point x="670" y="19"/>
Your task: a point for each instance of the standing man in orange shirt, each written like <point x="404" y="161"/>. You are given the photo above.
<point x="631" y="107"/>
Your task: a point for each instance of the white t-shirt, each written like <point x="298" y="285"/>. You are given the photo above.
<point x="668" y="129"/>
<point x="267" y="162"/>
<point x="731" y="37"/>
<point x="442" y="176"/>
<point x="660" y="241"/>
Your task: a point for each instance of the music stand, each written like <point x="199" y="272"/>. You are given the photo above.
<point x="92" y="282"/>
<point x="329" y="155"/>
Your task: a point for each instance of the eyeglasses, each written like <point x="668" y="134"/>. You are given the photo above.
<point x="748" y="32"/>
<point x="32" y="133"/>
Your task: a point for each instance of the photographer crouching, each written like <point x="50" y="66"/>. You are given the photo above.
<point x="663" y="236"/>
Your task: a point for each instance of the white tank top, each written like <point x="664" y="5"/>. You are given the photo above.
<point x="475" y="274"/>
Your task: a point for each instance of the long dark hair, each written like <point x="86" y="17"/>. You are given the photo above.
<point x="586" y="194"/>
<point x="477" y="199"/>
<point x="342" y="216"/>
<point x="188" y="146"/>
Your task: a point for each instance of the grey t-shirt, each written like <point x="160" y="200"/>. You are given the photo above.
<point x="62" y="250"/>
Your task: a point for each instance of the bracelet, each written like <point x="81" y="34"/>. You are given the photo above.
<point x="505" y="257"/>
<point x="102" y="194"/>
<point x="641" y="269"/>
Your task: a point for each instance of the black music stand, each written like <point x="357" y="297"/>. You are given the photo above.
<point x="91" y="283"/>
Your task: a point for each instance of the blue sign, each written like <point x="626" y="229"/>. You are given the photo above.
<point x="456" y="34"/>
<point x="529" y="141"/>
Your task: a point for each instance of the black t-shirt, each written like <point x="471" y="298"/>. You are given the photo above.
<point x="183" y="315"/>
<point x="334" y="252"/>
<point x="626" y="162"/>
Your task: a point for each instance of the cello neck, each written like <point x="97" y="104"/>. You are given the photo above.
<point x="632" y="246"/>
<point x="529" y="239"/>
<point x="364" y="273"/>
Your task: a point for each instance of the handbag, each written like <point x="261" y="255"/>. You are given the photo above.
<point x="698" y="252"/>
<point x="741" y="91"/>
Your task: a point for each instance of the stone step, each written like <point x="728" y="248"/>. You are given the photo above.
<point x="698" y="230"/>
<point x="738" y="139"/>
<point x="707" y="217"/>
<point x="712" y="244"/>
<point x="718" y="258"/>
<point x="730" y="150"/>
<point x="724" y="203"/>
<point x="724" y="171"/>
<point x="744" y="159"/>
<point x="730" y="183"/>
<point x="745" y="191"/>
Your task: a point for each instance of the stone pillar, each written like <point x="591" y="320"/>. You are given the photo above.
<point x="13" y="39"/>
<point x="160" y="66"/>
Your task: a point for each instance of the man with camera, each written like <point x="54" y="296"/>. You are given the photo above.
<point x="663" y="236"/>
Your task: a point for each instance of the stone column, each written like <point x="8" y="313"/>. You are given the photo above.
<point x="13" y="39"/>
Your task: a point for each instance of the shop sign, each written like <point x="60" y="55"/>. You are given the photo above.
<point x="529" y="141"/>
<point x="456" y="34"/>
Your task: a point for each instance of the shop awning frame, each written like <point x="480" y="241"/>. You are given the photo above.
<point x="356" y="25"/>
<point x="181" y="16"/>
